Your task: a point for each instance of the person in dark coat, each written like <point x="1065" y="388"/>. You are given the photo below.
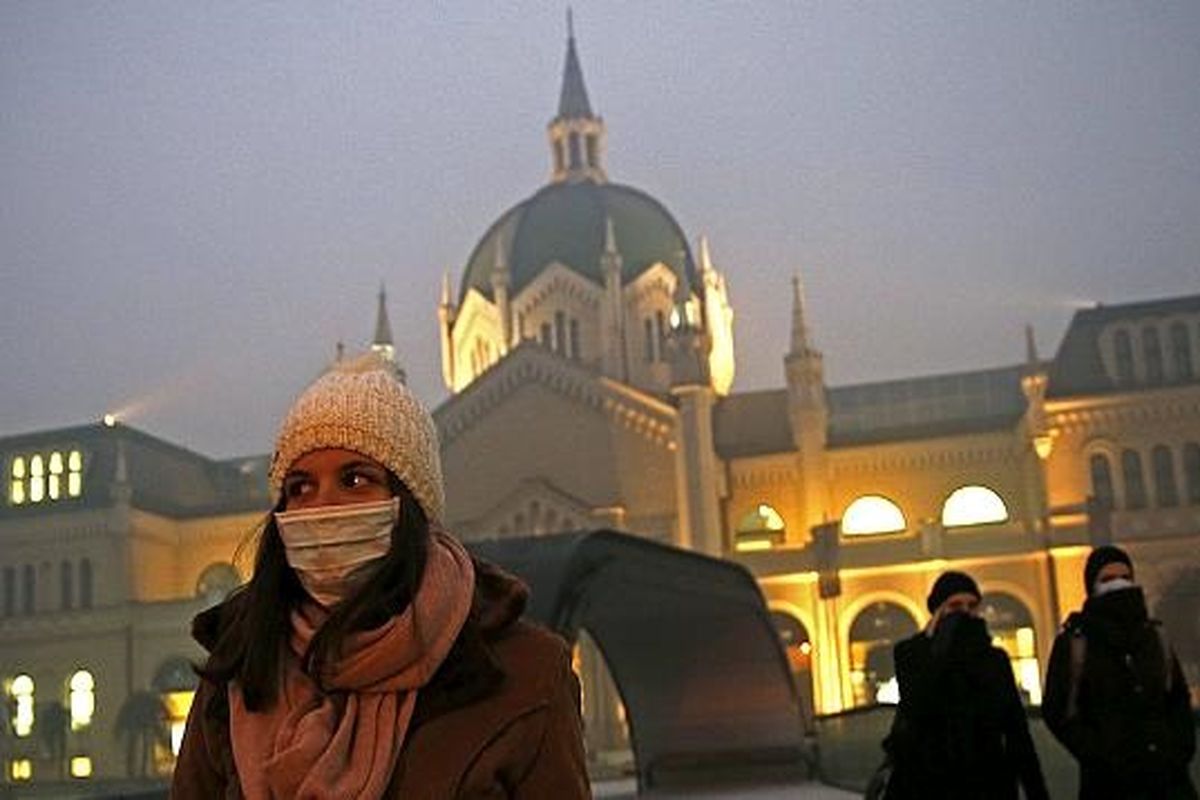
<point x="960" y="730"/>
<point x="1115" y="695"/>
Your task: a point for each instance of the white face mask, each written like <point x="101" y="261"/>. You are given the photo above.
<point x="1113" y="585"/>
<point x="334" y="548"/>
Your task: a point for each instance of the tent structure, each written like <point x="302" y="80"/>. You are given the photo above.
<point x="690" y="645"/>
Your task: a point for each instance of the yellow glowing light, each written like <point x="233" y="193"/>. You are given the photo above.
<point x="109" y="420"/>
<point x="21" y="769"/>
<point x="752" y="545"/>
<point x="973" y="505"/>
<point x="1043" y="445"/>
<point x="81" y="767"/>
<point x="806" y="648"/>
<point x="82" y="699"/>
<point x="872" y="514"/>
<point x="178" y="704"/>
<point x="17" y="493"/>
<point x="18" y="467"/>
<point x="1030" y="679"/>
<point x="21" y="691"/>
<point x="1025" y="644"/>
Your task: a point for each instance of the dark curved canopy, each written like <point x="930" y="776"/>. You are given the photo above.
<point x="566" y="222"/>
<point x="690" y="645"/>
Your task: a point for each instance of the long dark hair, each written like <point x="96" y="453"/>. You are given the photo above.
<point x="256" y="622"/>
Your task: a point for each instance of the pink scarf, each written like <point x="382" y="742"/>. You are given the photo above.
<point x="315" y="746"/>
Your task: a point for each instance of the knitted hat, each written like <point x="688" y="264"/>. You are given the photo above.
<point x="361" y="405"/>
<point x="1100" y="558"/>
<point x="948" y="584"/>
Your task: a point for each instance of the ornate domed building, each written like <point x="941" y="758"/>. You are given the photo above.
<point x="592" y="270"/>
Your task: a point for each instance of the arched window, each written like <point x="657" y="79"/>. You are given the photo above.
<point x="872" y="514"/>
<point x="66" y="584"/>
<point x="560" y="333"/>
<point x="1191" y="471"/>
<point x="1181" y="352"/>
<point x="1123" y="348"/>
<point x="1135" y="483"/>
<point x="20" y="693"/>
<point x="760" y="529"/>
<point x="1011" y="626"/>
<point x="217" y="581"/>
<point x="1102" y="483"/>
<point x="873" y="634"/>
<point x="973" y="505"/>
<point x="798" y="647"/>
<point x="85" y="583"/>
<point x="10" y="591"/>
<point x="175" y="682"/>
<point x="1166" y="491"/>
<point x="28" y="588"/>
<point x="81" y="699"/>
<point x="1152" y="353"/>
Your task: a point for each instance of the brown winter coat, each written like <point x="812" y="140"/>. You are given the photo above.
<point x="499" y="720"/>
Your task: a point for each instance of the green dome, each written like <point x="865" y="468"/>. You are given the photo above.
<point x="565" y="222"/>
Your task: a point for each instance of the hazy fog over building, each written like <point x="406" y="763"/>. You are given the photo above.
<point x="198" y="202"/>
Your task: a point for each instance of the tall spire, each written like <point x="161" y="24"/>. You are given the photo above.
<point x="799" y="317"/>
<point x="573" y="100"/>
<point x="383" y="343"/>
<point x="576" y="133"/>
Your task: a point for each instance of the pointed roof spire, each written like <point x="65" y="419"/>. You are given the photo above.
<point x="446" y="296"/>
<point x="799" y="316"/>
<point x="1031" y="354"/>
<point x="705" y="257"/>
<point x="573" y="101"/>
<point x="383" y="327"/>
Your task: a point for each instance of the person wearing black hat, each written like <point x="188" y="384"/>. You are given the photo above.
<point x="960" y="729"/>
<point x="1115" y="695"/>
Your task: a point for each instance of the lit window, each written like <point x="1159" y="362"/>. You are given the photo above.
<point x="81" y="767"/>
<point x="74" y="473"/>
<point x="16" y="492"/>
<point x="973" y="505"/>
<point x="82" y="699"/>
<point x="54" y="484"/>
<point x="21" y="693"/>
<point x="21" y="769"/>
<point x="872" y="514"/>
<point x="761" y="529"/>
<point x="37" y="479"/>
<point x="178" y="704"/>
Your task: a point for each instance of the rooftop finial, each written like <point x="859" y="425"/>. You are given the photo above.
<point x="799" y="316"/>
<point x="570" y="24"/>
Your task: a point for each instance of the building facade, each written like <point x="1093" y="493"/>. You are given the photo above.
<point x="588" y="352"/>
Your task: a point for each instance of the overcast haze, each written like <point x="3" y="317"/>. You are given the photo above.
<point x="198" y="200"/>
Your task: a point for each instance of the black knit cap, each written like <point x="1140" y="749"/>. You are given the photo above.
<point x="1098" y="560"/>
<point x="950" y="583"/>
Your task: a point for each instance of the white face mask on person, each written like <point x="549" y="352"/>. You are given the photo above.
<point x="335" y="548"/>
<point x="1113" y="585"/>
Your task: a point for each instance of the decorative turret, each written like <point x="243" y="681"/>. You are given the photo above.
<point x="808" y="413"/>
<point x="576" y="134"/>
<point x="501" y="280"/>
<point x="446" y="315"/>
<point x="382" y="343"/>
<point x="717" y="315"/>
<point x="687" y="340"/>
<point x="613" y="329"/>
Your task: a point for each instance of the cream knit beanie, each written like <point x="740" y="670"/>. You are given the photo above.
<point x="361" y="405"/>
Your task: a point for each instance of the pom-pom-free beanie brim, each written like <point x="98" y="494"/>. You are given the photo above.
<point x="949" y="584"/>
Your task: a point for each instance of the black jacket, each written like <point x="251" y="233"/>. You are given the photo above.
<point x="960" y="730"/>
<point x="1132" y="735"/>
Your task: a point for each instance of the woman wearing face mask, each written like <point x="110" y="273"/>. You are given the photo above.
<point x="1115" y="695"/>
<point x="369" y="655"/>
<point x="960" y="729"/>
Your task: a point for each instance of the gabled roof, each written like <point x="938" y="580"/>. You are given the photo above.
<point x="1077" y="368"/>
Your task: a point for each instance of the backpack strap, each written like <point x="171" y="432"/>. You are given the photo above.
<point x="1078" y="654"/>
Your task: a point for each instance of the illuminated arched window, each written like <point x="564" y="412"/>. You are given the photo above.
<point x="20" y="692"/>
<point x="973" y="505"/>
<point x="870" y="514"/>
<point x="1011" y="626"/>
<point x="175" y="682"/>
<point x="760" y="529"/>
<point x="873" y="634"/>
<point x="16" y="486"/>
<point x="81" y="693"/>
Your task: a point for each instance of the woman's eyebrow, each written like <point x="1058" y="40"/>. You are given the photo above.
<point x="363" y="465"/>
<point x="296" y="473"/>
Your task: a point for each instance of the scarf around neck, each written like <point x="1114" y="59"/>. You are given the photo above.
<point x="345" y="743"/>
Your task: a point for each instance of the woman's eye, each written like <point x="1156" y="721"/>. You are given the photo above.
<point x="356" y="479"/>
<point x="295" y="488"/>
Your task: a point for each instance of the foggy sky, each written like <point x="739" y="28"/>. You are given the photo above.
<point x="198" y="200"/>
